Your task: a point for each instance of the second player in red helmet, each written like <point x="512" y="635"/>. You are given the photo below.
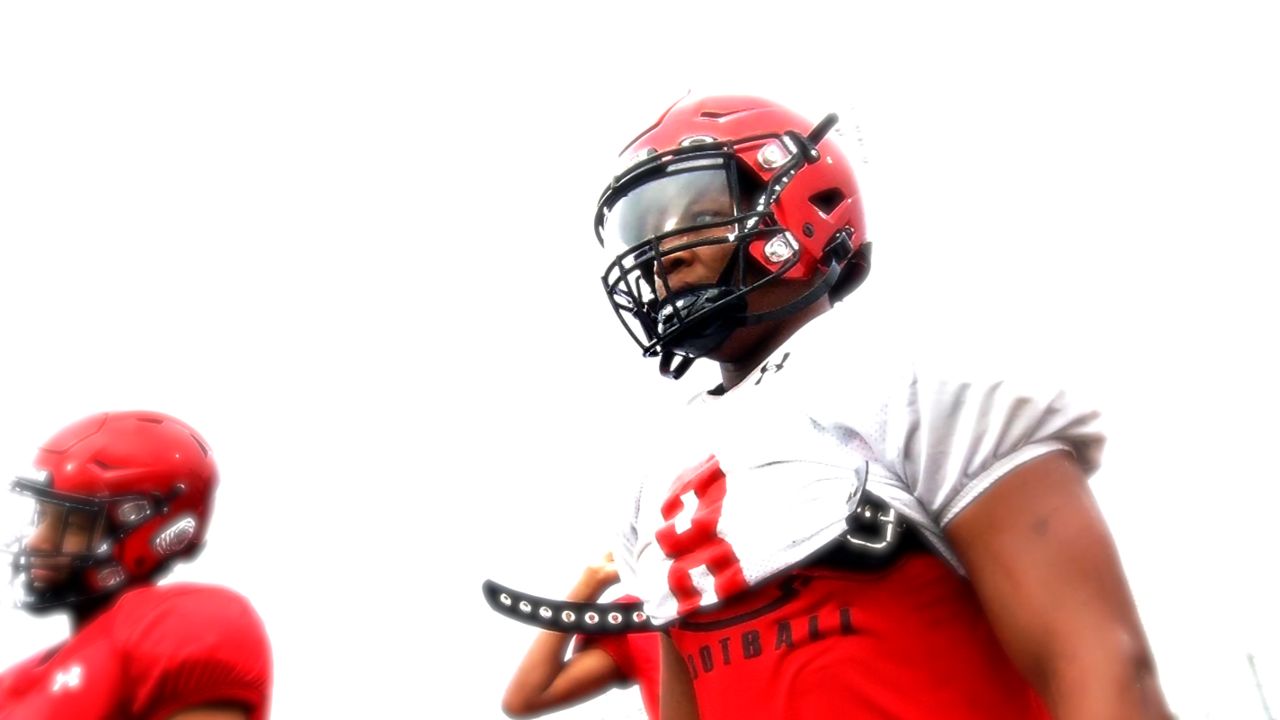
<point x="118" y="498"/>
<point x="839" y="528"/>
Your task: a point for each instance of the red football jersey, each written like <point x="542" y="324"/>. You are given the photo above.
<point x="907" y="642"/>
<point x="637" y="655"/>
<point x="158" y="650"/>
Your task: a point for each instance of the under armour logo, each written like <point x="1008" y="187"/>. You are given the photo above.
<point x="772" y="366"/>
<point x="70" y="678"/>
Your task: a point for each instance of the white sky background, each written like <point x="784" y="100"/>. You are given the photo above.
<point x="351" y="243"/>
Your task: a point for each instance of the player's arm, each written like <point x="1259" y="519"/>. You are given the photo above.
<point x="676" y="700"/>
<point x="1048" y="575"/>
<point x="544" y="680"/>
<point x="212" y="712"/>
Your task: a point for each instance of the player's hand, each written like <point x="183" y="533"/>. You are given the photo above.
<point x="595" y="579"/>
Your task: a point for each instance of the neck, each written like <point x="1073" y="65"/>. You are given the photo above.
<point x="84" y="612"/>
<point x="743" y="364"/>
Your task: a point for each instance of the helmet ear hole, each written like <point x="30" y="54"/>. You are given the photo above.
<point x="827" y="201"/>
<point x="176" y="536"/>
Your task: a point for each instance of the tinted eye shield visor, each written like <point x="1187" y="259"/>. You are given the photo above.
<point x="697" y="193"/>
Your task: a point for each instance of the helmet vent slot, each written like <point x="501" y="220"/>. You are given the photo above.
<point x="104" y="465"/>
<point x="827" y="200"/>
<point x="152" y="420"/>
<point x="203" y="448"/>
<point x="716" y="115"/>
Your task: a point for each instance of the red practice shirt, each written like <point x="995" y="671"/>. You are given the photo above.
<point x="157" y="651"/>
<point x="637" y="657"/>
<point x="907" y="642"/>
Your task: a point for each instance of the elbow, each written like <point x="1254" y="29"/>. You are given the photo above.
<point x="1135" y="667"/>
<point x="518" y="706"/>
<point x="1113" y="675"/>
<point x="516" y="709"/>
<point x="1139" y="676"/>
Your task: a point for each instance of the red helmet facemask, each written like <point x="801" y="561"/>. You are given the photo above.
<point x="735" y="171"/>
<point x="118" y="498"/>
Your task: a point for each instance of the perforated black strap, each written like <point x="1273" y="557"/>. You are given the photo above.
<point x="564" y="616"/>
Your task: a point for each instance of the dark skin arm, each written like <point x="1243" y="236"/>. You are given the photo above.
<point x="544" y="681"/>
<point x="1047" y="573"/>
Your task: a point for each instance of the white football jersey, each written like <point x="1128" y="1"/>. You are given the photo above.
<point x="757" y="479"/>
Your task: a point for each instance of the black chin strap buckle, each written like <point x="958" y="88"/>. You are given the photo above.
<point x="681" y="367"/>
<point x="840" y="247"/>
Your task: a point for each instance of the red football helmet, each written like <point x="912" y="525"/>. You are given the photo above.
<point x="119" y="497"/>
<point x="728" y="170"/>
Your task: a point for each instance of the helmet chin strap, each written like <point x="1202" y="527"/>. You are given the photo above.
<point x="681" y="367"/>
<point x="838" y="249"/>
<point x="810" y="296"/>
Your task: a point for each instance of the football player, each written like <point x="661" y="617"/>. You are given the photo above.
<point x="835" y="530"/>
<point x="545" y="682"/>
<point x="118" y="498"/>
